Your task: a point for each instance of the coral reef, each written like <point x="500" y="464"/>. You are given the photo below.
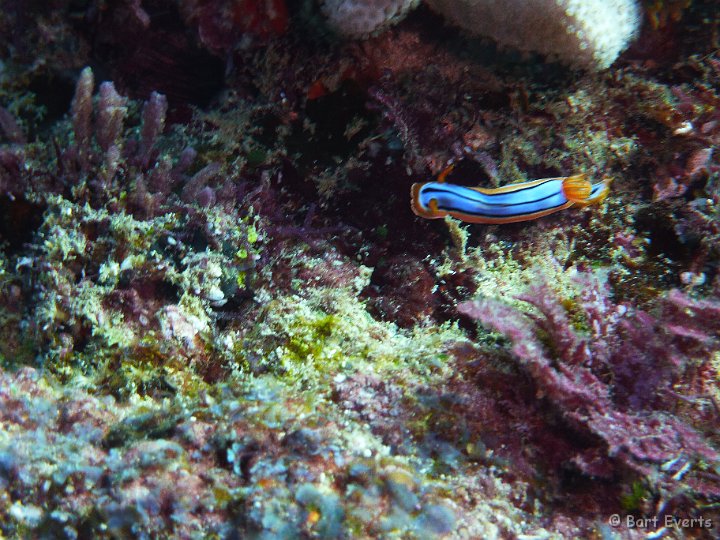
<point x="585" y="33"/>
<point x="579" y="32"/>
<point x="219" y="317"/>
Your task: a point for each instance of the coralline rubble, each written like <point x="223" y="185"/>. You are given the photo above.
<point x="83" y="466"/>
<point x="260" y="455"/>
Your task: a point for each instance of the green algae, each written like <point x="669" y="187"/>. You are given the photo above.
<point x="636" y="498"/>
<point x="128" y="251"/>
<point x="329" y="332"/>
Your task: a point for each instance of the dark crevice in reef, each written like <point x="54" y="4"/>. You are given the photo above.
<point x="19" y="220"/>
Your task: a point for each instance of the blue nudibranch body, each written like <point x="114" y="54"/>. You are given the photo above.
<point x="507" y="204"/>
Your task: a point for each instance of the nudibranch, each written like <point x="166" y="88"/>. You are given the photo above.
<point x="508" y="204"/>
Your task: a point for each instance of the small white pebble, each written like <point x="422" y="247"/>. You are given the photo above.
<point x="692" y="279"/>
<point x="684" y="128"/>
<point x="28" y="515"/>
<point x="215" y="294"/>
